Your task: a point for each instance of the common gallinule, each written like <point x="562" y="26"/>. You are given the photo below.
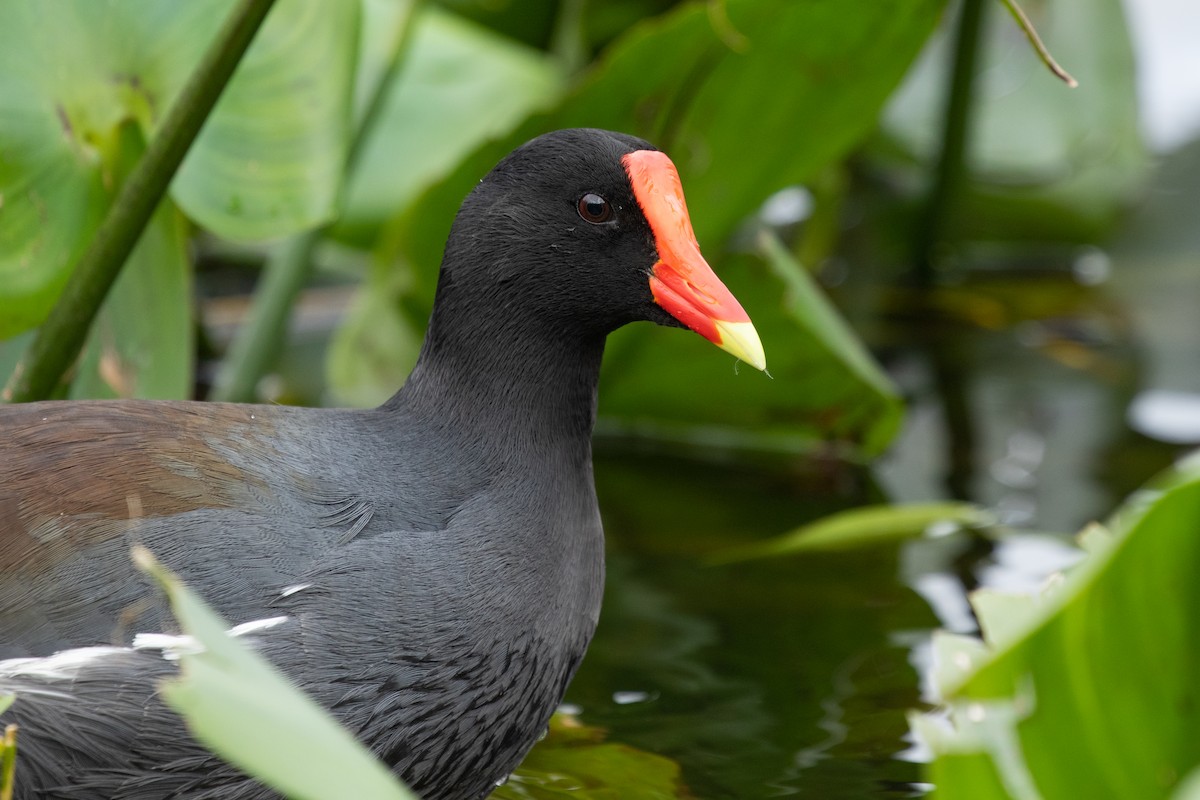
<point x="437" y="562"/>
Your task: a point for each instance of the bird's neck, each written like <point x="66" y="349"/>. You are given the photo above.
<point x="517" y="384"/>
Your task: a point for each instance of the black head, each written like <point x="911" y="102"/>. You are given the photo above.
<point x="555" y="228"/>
<point x="581" y="231"/>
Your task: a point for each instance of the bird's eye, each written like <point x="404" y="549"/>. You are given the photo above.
<point x="594" y="208"/>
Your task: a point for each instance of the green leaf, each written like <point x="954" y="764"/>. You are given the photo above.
<point x="8" y="753"/>
<point x="707" y="92"/>
<point x="977" y="747"/>
<point x="269" y="161"/>
<point x="239" y="705"/>
<point x="822" y="384"/>
<point x="266" y="163"/>
<point x="830" y="334"/>
<point x="867" y="526"/>
<point x="141" y="343"/>
<point x="11" y="352"/>
<point x="1189" y="787"/>
<point x="51" y="187"/>
<point x="573" y="761"/>
<point x="461" y="85"/>
<point x="1094" y="679"/>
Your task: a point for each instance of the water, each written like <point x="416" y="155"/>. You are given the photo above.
<point x="773" y="678"/>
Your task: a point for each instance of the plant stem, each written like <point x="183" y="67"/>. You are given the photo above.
<point x="60" y="338"/>
<point x="1032" y="35"/>
<point x="257" y="341"/>
<point x="948" y="374"/>
<point x="951" y="164"/>
<point x="8" y="762"/>
<point x="568" y="42"/>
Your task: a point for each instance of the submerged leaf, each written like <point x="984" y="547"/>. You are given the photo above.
<point x="866" y="526"/>
<point x="574" y="761"/>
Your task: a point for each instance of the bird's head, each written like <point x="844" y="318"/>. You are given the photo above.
<point x="592" y="226"/>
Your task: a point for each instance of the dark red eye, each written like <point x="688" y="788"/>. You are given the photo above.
<point x="594" y="208"/>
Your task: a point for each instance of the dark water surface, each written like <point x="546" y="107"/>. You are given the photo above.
<point x="785" y="677"/>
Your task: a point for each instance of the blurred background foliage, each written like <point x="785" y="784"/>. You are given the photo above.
<point x="1029" y="294"/>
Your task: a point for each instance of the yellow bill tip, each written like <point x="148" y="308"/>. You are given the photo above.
<point x="740" y="339"/>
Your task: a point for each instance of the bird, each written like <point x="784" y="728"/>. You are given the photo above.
<point x="430" y="571"/>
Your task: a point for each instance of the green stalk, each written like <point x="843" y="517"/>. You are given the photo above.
<point x="287" y="269"/>
<point x="944" y="358"/>
<point x="60" y="338"/>
<point x="568" y="42"/>
<point x="1035" y="41"/>
<point x="8" y="762"/>
<point x="951" y="165"/>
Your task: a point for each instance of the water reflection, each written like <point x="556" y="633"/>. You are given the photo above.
<point x="1168" y="416"/>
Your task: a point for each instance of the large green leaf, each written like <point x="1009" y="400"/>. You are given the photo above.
<point x="1088" y="689"/>
<point x="460" y="86"/>
<point x="747" y="96"/>
<point x="266" y="163"/>
<point x="52" y="109"/>
<point x="238" y="704"/>
<point x="270" y="158"/>
<point x="141" y="343"/>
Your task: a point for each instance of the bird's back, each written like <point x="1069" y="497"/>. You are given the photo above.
<point x="226" y="495"/>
